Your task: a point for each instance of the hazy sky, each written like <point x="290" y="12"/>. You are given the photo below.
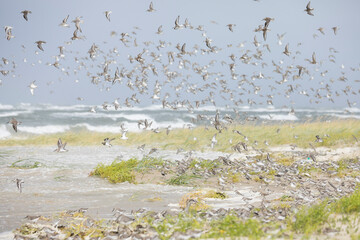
<point x="62" y="86"/>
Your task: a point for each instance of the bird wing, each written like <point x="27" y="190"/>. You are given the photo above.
<point x="15" y="126"/>
<point x="59" y="143"/>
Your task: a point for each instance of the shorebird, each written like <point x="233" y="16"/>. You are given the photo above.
<point x="313" y="59"/>
<point x="321" y="29"/>
<point x="286" y="52"/>
<point x="177" y="25"/>
<point x="151" y="7"/>
<point x="230" y="26"/>
<point x="168" y="129"/>
<point x="107" y="15"/>
<point x="8" y="32"/>
<point x="267" y="21"/>
<point x="61" y="146"/>
<point x="280" y="38"/>
<point x="152" y="151"/>
<point x="159" y="31"/>
<point x="107" y="142"/>
<point x="213" y="141"/>
<point x="309" y="9"/>
<point x="32" y="87"/>
<point x="141" y="147"/>
<point x="14" y="123"/>
<point x="77" y="22"/>
<point x="335" y="29"/>
<point x="116" y="104"/>
<point x="64" y="22"/>
<point x="25" y="14"/>
<point x="39" y="44"/>
<point x="124" y="130"/>
<point x="318" y="139"/>
<point x="19" y="183"/>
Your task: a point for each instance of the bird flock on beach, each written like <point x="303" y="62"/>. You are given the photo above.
<point x="171" y="74"/>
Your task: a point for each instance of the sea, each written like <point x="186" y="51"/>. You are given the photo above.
<point x="51" y="119"/>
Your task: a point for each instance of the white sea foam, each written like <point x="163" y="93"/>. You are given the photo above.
<point x="47" y="129"/>
<point x="115" y="117"/>
<point x="67" y="108"/>
<point x="345" y="116"/>
<point x="13" y="113"/>
<point x="102" y="128"/>
<point x="279" y="117"/>
<point x="6" y="107"/>
<point x="4" y="133"/>
<point x="353" y="110"/>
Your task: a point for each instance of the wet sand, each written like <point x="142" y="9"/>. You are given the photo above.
<point x="62" y="182"/>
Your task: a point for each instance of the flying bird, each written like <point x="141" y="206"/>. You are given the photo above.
<point x="107" y="15"/>
<point x="151" y="8"/>
<point x="60" y="146"/>
<point x="14" y="123"/>
<point x="286" y="52"/>
<point x="64" y="22"/>
<point x="230" y="26"/>
<point x="309" y="9"/>
<point x="25" y="14"/>
<point x="107" y="142"/>
<point x="39" y="44"/>
<point x="32" y="87"/>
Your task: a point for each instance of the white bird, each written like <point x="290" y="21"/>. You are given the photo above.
<point x="64" y="22"/>
<point x="93" y="109"/>
<point x="213" y="141"/>
<point x="32" y="87"/>
<point x="124" y="130"/>
<point x="107" y="15"/>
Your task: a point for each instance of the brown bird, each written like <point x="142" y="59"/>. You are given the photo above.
<point x="267" y="21"/>
<point x="309" y="9"/>
<point x="39" y="44"/>
<point x="335" y="29"/>
<point x="25" y="14"/>
<point x="14" y="123"/>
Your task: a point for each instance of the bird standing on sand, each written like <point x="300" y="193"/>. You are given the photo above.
<point x="19" y="183"/>
<point x="14" y="123"/>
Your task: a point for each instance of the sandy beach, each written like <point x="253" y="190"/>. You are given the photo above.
<point x="278" y="177"/>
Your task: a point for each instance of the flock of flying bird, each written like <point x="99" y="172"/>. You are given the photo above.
<point x="194" y="79"/>
<point x="186" y="75"/>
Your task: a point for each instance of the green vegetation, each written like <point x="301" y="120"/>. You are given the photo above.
<point x="183" y="179"/>
<point x="308" y="219"/>
<point x="348" y="204"/>
<point x="24" y="164"/>
<point x="312" y="219"/>
<point x="124" y="171"/>
<point x="340" y="134"/>
<point x="232" y="226"/>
